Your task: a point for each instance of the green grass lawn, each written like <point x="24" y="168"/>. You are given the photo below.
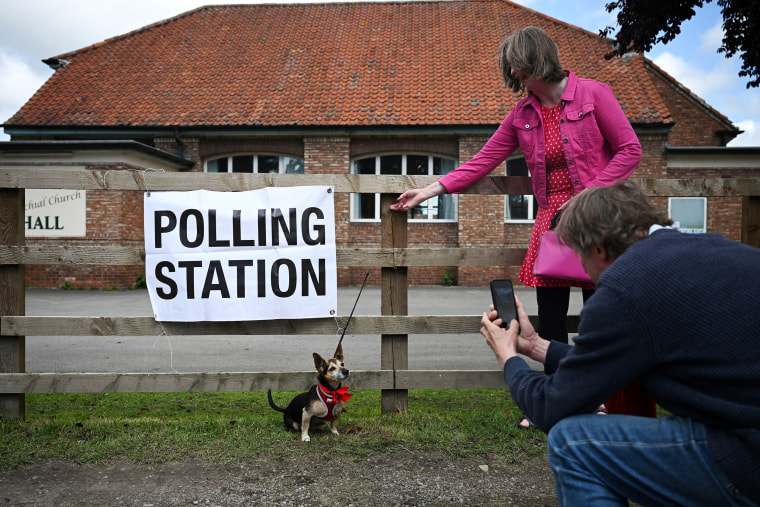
<point x="227" y="427"/>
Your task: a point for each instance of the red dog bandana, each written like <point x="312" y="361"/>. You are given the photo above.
<point x="330" y="399"/>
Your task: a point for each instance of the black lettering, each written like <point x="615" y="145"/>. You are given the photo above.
<point x="289" y="230"/>
<point x="318" y="281"/>
<point x="291" y="278"/>
<point x="161" y="229"/>
<point x="262" y="222"/>
<point x="160" y="268"/>
<point x="215" y="271"/>
<point x="183" y="226"/>
<point x="241" y="265"/>
<point x="189" y="267"/>
<point x="261" y="277"/>
<point x="319" y="229"/>
<point x="237" y="234"/>
<point x="212" y="241"/>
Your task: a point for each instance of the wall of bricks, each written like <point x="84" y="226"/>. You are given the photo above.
<point x="693" y="125"/>
<point x="724" y="214"/>
<point x="113" y="219"/>
<point x="653" y="164"/>
<point x="330" y="155"/>
<point x="186" y="147"/>
<point x="219" y="146"/>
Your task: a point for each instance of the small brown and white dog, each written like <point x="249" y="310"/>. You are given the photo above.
<point x="323" y="402"/>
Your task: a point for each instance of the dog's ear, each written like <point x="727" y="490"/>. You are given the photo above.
<point x="319" y="362"/>
<point x="339" y="353"/>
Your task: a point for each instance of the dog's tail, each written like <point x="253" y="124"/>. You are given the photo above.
<point x="271" y="402"/>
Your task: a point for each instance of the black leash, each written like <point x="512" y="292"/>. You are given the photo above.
<point x="352" y="312"/>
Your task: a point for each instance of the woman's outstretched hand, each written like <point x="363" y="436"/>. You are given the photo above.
<point x="415" y="196"/>
<point x="407" y="200"/>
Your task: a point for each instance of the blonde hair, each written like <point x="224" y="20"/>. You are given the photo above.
<point x="532" y="51"/>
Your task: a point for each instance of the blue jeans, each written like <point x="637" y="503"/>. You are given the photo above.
<point x="607" y="459"/>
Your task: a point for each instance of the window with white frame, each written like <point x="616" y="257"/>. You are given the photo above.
<point x="248" y="163"/>
<point x="689" y="214"/>
<point x="519" y="208"/>
<point x="366" y="207"/>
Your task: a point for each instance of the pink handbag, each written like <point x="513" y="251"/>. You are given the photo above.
<point x="554" y="259"/>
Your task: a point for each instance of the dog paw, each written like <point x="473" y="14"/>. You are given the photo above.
<point x="305" y="439"/>
<point x="335" y="432"/>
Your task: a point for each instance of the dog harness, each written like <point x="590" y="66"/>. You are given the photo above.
<point x="330" y="399"/>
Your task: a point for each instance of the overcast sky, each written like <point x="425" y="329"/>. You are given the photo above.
<point x="32" y="30"/>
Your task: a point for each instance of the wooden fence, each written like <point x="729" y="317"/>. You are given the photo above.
<point x="393" y="257"/>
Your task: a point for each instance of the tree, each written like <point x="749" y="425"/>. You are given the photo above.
<point x="644" y="23"/>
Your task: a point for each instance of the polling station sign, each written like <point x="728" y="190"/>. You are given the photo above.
<point x="255" y="255"/>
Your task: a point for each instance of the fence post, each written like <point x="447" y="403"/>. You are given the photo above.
<point x="12" y="302"/>
<point x="394" y="348"/>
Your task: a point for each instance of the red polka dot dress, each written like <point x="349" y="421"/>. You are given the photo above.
<point x="559" y="189"/>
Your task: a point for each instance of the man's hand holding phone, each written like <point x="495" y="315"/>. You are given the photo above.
<point x="510" y="338"/>
<point x="502" y="341"/>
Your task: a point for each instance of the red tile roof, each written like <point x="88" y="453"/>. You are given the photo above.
<point x="319" y="65"/>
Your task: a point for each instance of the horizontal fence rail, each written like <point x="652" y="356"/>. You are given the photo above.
<point x="394" y="329"/>
<point x="147" y="326"/>
<point x="83" y="179"/>
<point x="234" y="382"/>
<point x="351" y="257"/>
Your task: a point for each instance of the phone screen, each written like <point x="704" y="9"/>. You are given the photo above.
<point x="504" y="301"/>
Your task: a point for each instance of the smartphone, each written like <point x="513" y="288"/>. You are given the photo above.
<point x="503" y="295"/>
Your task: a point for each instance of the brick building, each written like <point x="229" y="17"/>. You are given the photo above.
<point x="366" y="88"/>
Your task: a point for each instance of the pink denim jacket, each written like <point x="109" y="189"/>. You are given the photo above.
<point x="599" y="142"/>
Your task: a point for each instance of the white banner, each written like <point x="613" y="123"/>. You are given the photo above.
<point x="256" y="255"/>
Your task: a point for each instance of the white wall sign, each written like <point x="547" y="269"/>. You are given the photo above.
<point x="55" y="213"/>
<point x="256" y="255"/>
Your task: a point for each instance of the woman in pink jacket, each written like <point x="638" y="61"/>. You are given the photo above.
<point x="574" y="135"/>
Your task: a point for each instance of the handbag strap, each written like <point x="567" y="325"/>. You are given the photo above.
<point x="555" y="219"/>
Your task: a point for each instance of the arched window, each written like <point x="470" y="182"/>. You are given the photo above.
<point x="247" y="163"/>
<point x="366" y="207"/>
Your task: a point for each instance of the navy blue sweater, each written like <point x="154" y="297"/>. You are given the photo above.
<point x="682" y="313"/>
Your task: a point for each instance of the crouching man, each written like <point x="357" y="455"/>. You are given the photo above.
<point x="681" y="313"/>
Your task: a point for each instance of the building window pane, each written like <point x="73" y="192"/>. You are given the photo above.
<point x="293" y="165"/>
<point x="218" y="165"/>
<point x="417" y="165"/>
<point x="268" y="164"/>
<point x="518" y="207"/>
<point x="445" y="206"/>
<point x="522" y="208"/>
<point x="242" y="164"/>
<point x="364" y="166"/>
<point x="364" y="204"/>
<point x="255" y="164"/>
<point x="390" y="164"/>
<point x="689" y="214"/>
<point x="367" y="206"/>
